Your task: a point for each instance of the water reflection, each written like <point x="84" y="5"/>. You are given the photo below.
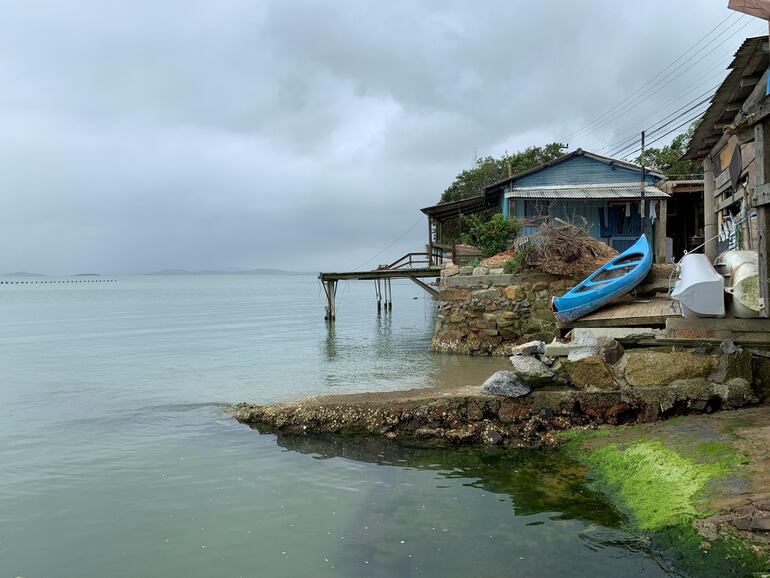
<point x="452" y="523"/>
<point x="535" y="481"/>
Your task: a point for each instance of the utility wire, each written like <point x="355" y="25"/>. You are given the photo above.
<point x="405" y="233"/>
<point x="633" y="129"/>
<point x="649" y="82"/>
<point x="676" y="128"/>
<point x="659" y="127"/>
<point x="664" y="82"/>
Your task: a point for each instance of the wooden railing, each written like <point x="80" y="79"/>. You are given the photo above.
<point x="420" y="260"/>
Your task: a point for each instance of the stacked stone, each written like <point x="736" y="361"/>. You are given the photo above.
<point x="492" y="320"/>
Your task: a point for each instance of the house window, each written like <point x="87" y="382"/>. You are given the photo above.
<point x="535" y="211"/>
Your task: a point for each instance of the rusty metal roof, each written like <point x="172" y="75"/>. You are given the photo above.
<point x="621" y="191"/>
<point x="746" y="69"/>
<point x="454" y="209"/>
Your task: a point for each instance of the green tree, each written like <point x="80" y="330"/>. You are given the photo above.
<point x="484" y="172"/>
<point x="668" y="159"/>
<point x="488" y="170"/>
<point x="493" y="235"/>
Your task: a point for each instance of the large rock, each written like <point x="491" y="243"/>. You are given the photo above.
<point x="529" y="348"/>
<point x="609" y="350"/>
<point x="465" y="270"/>
<point x="479" y="271"/>
<point x="648" y="368"/>
<point x="505" y="383"/>
<point x="513" y="292"/>
<point x="531" y="370"/>
<point x="586" y="369"/>
<point x="450" y="270"/>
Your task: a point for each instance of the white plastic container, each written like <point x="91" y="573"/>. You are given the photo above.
<point x="743" y="268"/>
<point x="700" y="290"/>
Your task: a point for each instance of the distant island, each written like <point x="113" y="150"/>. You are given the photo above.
<point x="244" y="272"/>
<point x="86" y="275"/>
<point x="23" y="274"/>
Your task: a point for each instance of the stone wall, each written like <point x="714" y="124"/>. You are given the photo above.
<point x="488" y="314"/>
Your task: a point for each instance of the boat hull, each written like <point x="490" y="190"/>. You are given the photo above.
<point x="614" y="279"/>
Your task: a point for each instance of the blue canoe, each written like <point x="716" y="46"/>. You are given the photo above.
<point x="609" y="282"/>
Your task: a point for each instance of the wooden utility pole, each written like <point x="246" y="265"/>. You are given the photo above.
<point x="641" y="202"/>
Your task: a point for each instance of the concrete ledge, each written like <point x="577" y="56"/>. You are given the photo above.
<point x="465" y="416"/>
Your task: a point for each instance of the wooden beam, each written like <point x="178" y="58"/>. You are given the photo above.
<point x="660" y="232"/>
<point x="425" y="286"/>
<point x="761" y="195"/>
<point x="762" y="155"/>
<point x="709" y="215"/>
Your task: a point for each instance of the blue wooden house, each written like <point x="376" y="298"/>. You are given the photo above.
<point x="606" y="192"/>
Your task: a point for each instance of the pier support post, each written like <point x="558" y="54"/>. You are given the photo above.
<point x="330" y="288"/>
<point x="378" y="295"/>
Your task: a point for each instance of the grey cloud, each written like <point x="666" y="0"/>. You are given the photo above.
<point x="305" y="134"/>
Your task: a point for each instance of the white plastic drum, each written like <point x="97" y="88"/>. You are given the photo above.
<point x="743" y="267"/>
<point x="700" y="290"/>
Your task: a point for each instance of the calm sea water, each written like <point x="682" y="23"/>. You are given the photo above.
<point x="118" y="459"/>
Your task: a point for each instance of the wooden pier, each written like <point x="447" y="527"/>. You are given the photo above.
<point x="412" y="266"/>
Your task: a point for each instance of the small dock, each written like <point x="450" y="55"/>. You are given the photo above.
<point x="412" y="266"/>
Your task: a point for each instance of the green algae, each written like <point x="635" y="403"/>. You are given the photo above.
<point x="655" y="485"/>
<point x="663" y="490"/>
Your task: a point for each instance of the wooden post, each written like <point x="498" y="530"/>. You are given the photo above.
<point x="762" y="156"/>
<point x="709" y="213"/>
<point x="330" y="288"/>
<point x="430" y="241"/>
<point x="378" y="295"/>
<point x="660" y="232"/>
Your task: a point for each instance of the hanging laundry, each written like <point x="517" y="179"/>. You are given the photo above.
<point x="653" y="213"/>
<point x="605" y="231"/>
<point x="628" y="209"/>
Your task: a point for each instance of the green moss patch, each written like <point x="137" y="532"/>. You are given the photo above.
<point x="655" y="485"/>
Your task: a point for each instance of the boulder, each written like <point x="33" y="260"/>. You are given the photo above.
<point x="480" y="271"/>
<point x="505" y="383"/>
<point x="496" y="271"/>
<point x="513" y="292"/>
<point x="531" y="370"/>
<point x="649" y="368"/>
<point x="609" y="350"/>
<point x="450" y="270"/>
<point x="529" y="348"/>
<point x="465" y="270"/>
<point x="586" y="369"/>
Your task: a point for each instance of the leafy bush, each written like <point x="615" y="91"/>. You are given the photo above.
<point x="492" y="236"/>
<point x="515" y="264"/>
<point x="473" y="263"/>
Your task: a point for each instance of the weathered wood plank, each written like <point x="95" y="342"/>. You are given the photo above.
<point x="381" y="274"/>
<point x="630" y="314"/>
<point x="762" y="153"/>
<point x="761" y="195"/>
<point x="718" y="324"/>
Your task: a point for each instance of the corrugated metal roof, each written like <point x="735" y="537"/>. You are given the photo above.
<point x="620" y="191"/>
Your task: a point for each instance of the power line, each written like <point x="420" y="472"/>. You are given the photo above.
<point x="404" y="234"/>
<point x="642" y="87"/>
<point x="634" y="128"/>
<point x="630" y="136"/>
<point x="671" y="77"/>
<point x="659" y="127"/>
<point x="664" y="135"/>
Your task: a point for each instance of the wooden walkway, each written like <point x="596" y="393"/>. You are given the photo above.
<point x="639" y="313"/>
<point x="412" y="266"/>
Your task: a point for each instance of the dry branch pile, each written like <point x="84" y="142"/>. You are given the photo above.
<point x="565" y="248"/>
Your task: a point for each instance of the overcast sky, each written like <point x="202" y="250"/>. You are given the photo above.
<point x="141" y="135"/>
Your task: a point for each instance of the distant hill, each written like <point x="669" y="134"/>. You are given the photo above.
<point x="23" y="274"/>
<point x="86" y="275"/>
<point x="211" y="272"/>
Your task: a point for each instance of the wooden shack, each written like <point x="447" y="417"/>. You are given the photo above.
<point x="733" y="143"/>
